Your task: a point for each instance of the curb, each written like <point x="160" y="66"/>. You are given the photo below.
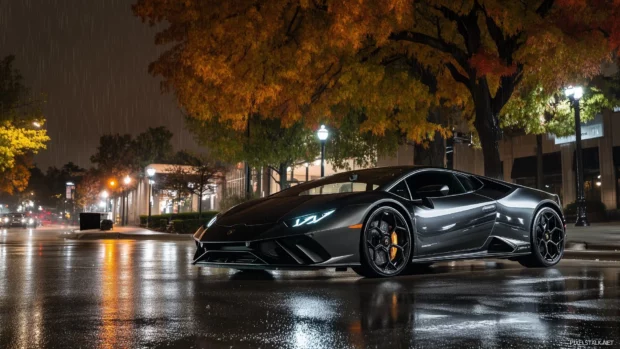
<point x="592" y="255"/>
<point x="583" y="246"/>
<point x="122" y="236"/>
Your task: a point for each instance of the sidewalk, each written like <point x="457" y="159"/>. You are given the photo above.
<point x="127" y="233"/>
<point x="598" y="236"/>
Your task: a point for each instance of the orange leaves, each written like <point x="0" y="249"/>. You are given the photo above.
<point x="487" y="63"/>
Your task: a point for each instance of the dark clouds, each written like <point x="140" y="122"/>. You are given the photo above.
<point x="90" y="58"/>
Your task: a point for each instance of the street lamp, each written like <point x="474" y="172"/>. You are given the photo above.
<point x="322" y="133"/>
<point x="150" y="172"/>
<point x="105" y="195"/>
<point x="575" y="94"/>
<point x="125" y="200"/>
<point x="36" y="124"/>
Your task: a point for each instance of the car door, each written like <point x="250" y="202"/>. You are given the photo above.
<point x="449" y="216"/>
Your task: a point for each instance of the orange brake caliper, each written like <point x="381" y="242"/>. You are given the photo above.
<point x="393" y="250"/>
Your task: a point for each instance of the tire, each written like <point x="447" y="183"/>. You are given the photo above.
<point x="547" y="238"/>
<point x="385" y="244"/>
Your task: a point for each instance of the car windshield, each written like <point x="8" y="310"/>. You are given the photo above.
<point x="346" y="182"/>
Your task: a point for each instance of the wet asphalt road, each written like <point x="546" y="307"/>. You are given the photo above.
<point x="122" y="294"/>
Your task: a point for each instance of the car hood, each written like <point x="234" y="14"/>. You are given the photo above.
<point x="275" y="209"/>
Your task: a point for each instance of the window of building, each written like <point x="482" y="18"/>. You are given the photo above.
<point x="524" y="171"/>
<point x="591" y="173"/>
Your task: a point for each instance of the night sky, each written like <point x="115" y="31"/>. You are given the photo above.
<point x="90" y="57"/>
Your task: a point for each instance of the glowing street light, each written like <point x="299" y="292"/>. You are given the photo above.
<point x="322" y="133"/>
<point x="36" y="124"/>
<point x="104" y="194"/>
<point x="575" y="94"/>
<point x="127" y="180"/>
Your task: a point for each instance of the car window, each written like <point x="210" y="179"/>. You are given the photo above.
<point x="401" y="190"/>
<point x="346" y="182"/>
<point x="335" y="188"/>
<point x="428" y="183"/>
<point x="469" y="182"/>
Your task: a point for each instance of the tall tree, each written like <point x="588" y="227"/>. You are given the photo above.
<point x="20" y="125"/>
<point x="116" y="155"/>
<point x="202" y="173"/>
<point x="276" y="147"/>
<point x="287" y="59"/>
<point x="153" y="146"/>
<point x="87" y="192"/>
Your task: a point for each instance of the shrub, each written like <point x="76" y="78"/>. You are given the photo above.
<point x="177" y="225"/>
<point x="163" y="224"/>
<point x="106" y="224"/>
<point x="591" y="206"/>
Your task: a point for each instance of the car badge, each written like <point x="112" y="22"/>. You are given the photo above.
<point x="230" y="232"/>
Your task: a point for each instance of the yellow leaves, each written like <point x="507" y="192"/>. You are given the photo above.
<point x="16" y="142"/>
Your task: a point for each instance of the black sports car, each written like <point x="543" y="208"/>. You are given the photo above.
<point x="385" y="221"/>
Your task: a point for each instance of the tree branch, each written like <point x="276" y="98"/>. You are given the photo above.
<point x="457" y="76"/>
<point x="459" y="55"/>
<point x="544" y="8"/>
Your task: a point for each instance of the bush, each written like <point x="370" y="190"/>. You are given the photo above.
<point x="163" y="224"/>
<point x="185" y="226"/>
<point x="591" y="207"/>
<point x="106" y="224"/>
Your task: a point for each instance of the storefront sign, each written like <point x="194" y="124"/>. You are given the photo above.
<point x="589" y="130"/>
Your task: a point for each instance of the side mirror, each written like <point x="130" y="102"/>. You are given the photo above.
<point x="444" y="190"/>
<point x="427" y="202"/>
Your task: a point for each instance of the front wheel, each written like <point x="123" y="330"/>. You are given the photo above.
<point x="547" y="239"/>
<point x="385" y="246"/>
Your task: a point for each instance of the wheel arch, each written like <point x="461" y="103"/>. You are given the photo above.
<point x="398" y="207"/>
<point x="551" y="204"/>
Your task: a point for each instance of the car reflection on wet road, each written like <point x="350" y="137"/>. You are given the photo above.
<point x="119" y="293"/>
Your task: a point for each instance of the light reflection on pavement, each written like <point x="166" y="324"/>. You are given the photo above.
<point x="123" y="293"/>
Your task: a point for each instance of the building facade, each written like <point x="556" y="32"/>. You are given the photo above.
<point x="601" y="161"/>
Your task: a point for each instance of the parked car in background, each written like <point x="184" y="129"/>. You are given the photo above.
<point x="5" y="220"/>
<point x="22" y="221"/>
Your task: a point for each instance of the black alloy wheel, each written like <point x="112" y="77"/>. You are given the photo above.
<point x="386" y="244"/>
<point x="547" y="239"/>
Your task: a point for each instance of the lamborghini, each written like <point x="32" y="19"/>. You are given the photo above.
<point x="387" y="221"/>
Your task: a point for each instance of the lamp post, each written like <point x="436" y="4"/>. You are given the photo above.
<point x="575" y="94"/>
<point x="104" y="196"/>
<point x="150" y="172"/>
<point x="307" y="171"/>
<point x="70" y="188"/>
<point x="322" y="133"/>
<point x="126" y="181"/>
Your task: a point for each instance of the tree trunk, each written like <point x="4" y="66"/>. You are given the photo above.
<point x="539" y="163"/>
<point x="489" y="133"/>
<point x="202" y="190"/>
<point x="282" y="173"/>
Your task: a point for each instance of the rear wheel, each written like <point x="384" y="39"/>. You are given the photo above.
<point x="547" y="239"/>
<point x="385" y="244"/>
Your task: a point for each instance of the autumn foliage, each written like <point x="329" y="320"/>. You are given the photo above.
<point x="314" y="60"/>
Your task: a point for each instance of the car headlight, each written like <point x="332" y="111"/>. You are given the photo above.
<point x="30" y="221"/>
<point x="212" y="221"/>
<point x="309" y="219"/>
<point x="6" y="220"/>
<point x="23" y="220"/>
